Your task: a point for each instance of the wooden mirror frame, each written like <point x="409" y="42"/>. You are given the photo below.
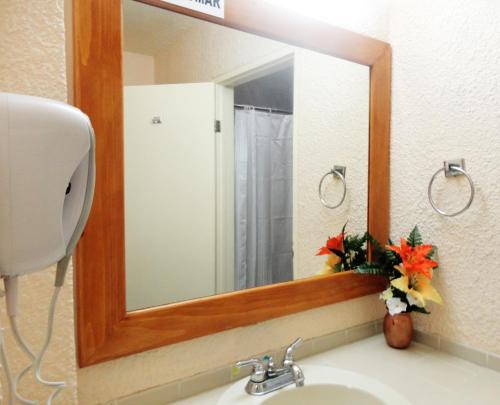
<point x="105" y="330"/>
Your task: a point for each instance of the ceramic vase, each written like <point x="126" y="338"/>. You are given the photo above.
<point x="398" y="330"/>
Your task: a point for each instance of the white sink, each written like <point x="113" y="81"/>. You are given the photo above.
<point x="318" y="394"/>
<point x="323" y="385"/>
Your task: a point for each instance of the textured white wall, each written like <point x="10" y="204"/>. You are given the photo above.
<point x="331" y="128"/>
<point x="369" y="17"/>
<point x="32" y="61"/>
<point x="32" y="48"/>
<point x="138" y="69"/>
<point x="446" y="104"/>
<point x="208" y="50"/>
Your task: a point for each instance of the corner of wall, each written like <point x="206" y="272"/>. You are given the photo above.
<point x="68" y="30"/>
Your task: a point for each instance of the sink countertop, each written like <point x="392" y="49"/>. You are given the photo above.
<point x="424" y="375"/>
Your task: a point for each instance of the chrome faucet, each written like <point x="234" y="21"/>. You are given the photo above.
<point x="266" y="377"/>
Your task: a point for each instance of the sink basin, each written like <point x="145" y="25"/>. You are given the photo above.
<point x="318" y="394"/>
<point x="323" y="385"/>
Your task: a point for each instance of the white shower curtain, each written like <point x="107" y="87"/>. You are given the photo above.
<point x="263" y="159"/>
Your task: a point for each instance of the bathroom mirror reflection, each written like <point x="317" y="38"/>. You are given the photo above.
<point x="227" y="136"/>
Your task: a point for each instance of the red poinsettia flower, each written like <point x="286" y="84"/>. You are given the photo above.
<point x="415" y="259"/>
<point x="333" y="245"/>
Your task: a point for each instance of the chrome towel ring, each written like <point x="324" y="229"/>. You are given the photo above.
<point x="452" y="168"/>
<point x="337" y="171"/>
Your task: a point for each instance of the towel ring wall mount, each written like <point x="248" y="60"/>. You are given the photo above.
<point x="337" y="171"/>
<point x="452" y="168"/>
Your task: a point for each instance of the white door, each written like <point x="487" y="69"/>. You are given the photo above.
<point x="170" y="193"/>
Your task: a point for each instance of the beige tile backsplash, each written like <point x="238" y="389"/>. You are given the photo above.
<point x="205" y="381"/>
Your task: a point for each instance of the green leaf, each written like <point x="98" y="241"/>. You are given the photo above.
<point x="339" y="253"/>
<point x="433" y="253"/>
<point x="415" y="237"/>
<point x="354" y="242"/>
<point x="370" y="268"/>
<point x="399" y="294"/>
<point x="375" y="243"/>
<point x="392" y="257"/>
<point x="421" y="310"/>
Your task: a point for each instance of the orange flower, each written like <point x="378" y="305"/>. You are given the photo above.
<point x="335" y="244"/>
<point x="415" y="259"/>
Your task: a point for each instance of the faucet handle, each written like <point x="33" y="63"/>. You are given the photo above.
<point x="288" y="360"/>
<point x="270" y="362"/>
<point x="259" y="369"/>
<point x="272" y="370"/>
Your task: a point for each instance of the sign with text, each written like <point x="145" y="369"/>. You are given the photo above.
<point x="211" y="7"/>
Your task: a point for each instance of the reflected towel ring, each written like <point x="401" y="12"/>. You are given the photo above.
<point x="452" y="168"/>
<point x="338" y="171"/>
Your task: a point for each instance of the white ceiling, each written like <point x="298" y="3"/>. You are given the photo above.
<point x="149" y="30"/>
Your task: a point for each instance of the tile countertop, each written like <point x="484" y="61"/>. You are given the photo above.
<point x="422" y="374"/>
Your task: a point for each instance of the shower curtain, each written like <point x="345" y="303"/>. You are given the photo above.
<point x="263" y="198"/>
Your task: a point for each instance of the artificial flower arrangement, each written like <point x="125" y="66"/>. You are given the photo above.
<point x="409" y="270"/>
<point x="344" y="252"/>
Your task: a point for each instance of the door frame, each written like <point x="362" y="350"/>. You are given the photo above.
<point x="225" y="84"/>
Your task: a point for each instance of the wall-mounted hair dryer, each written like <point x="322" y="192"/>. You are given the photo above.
<point x="47" y="174"/>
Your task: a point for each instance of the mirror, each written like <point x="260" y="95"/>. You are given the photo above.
<point x="226" y="138"/>
<point x="108" y="325"/>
